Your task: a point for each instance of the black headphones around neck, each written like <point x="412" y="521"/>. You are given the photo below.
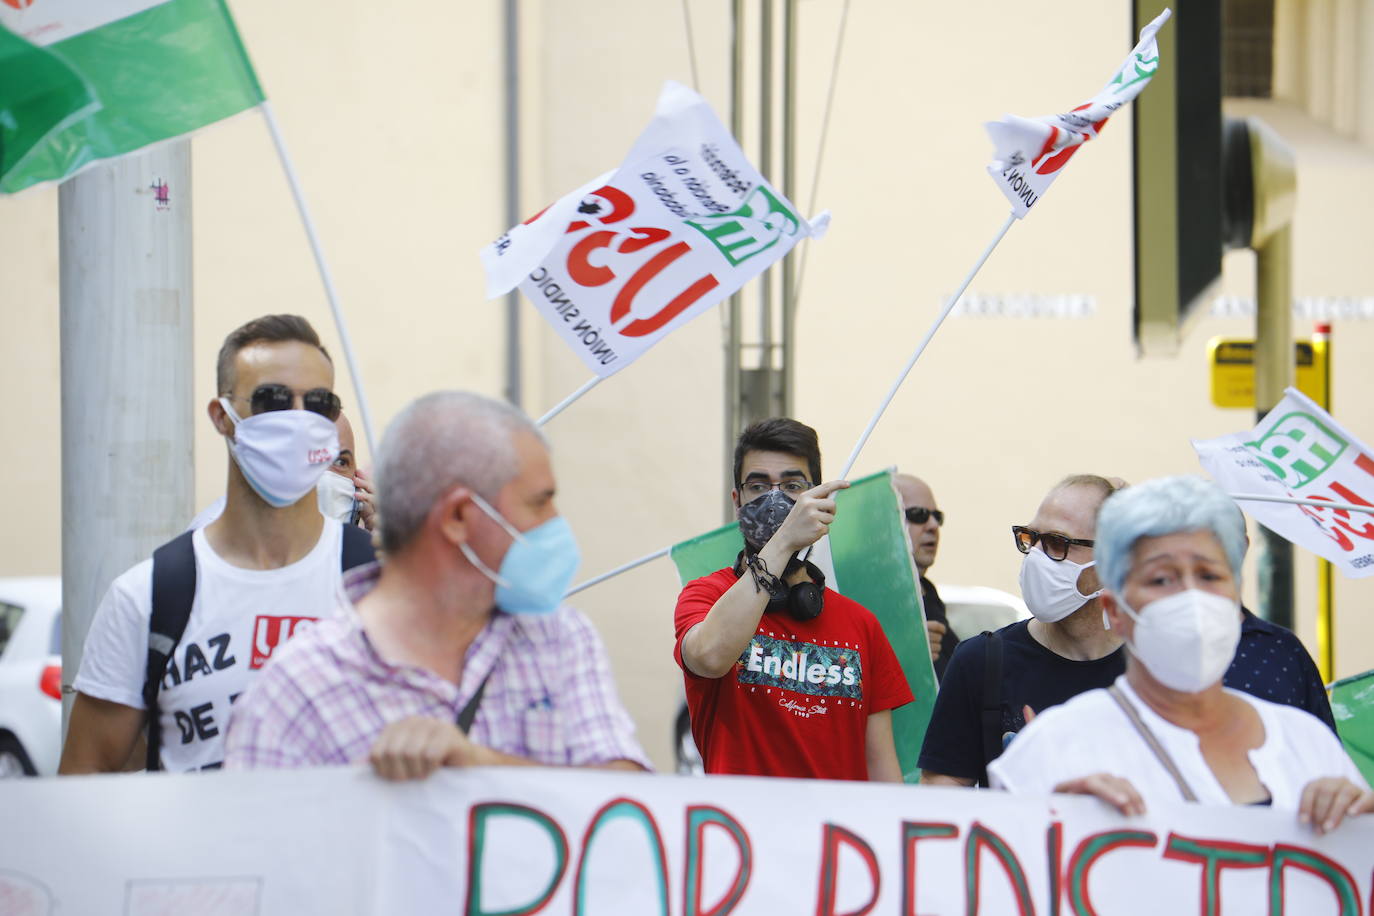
<point x="804" y="600"/>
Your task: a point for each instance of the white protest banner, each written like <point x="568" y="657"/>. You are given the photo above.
<point x="501" y="842"/>
<point x="1029" y="153"/>
<point x="623" y="261"/>
<point x="1298" y="450"/>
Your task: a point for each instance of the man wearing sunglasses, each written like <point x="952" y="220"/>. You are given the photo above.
<point x="923" y="523"/>
<point x="785" y="677"/>
<point x="178" y="637"/>
<point x="345" y="493"/>
<point x="997" y="681"/>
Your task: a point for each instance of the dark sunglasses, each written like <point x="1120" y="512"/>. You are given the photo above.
<point x="1056" y="546"/>
<point x="919" y="515"/>
<point x="276" y="396"/>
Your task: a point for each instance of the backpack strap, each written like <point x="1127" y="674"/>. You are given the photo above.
<point x="992" y="702"/>
<point x="357" y="547"/>
<point x="174" y="590"/>
<point x="1152" y="742"/>
<point x="468" y="714"/>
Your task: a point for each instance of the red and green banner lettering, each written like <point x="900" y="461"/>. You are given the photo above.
<point x="521" y="841"/>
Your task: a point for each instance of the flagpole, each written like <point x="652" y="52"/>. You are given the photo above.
<point x="949" y="307"/>
<point x="330" y="292"/>
<point x="1299" y="501"/>
<point x="618" y="570"/>
<point x="566" y="402"/>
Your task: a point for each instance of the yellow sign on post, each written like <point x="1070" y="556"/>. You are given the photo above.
<point x="1233" y="370"/>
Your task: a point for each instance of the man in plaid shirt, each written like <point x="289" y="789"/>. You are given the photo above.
<point x="456" y="651"/>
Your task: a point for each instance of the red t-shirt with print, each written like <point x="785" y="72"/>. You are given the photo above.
<point x="798" y="700"/>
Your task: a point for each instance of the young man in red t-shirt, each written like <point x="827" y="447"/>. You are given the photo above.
<point x="784" y="676"/>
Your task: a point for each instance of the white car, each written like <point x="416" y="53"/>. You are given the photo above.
<point x="971" y="609"/>
<point x="30" y="676"/>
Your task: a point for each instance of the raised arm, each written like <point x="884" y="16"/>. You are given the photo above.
<point x="713" y="646"/>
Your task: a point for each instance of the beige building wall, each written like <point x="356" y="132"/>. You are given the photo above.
<point x="396" y="124"/>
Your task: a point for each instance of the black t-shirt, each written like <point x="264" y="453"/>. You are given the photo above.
<point x="1031" y="676"/>
<point x="935" y="610"/>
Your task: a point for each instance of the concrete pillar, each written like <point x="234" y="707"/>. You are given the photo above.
<point x="127" y="411"/>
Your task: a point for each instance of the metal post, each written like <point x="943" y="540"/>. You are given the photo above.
<point x="127" y="410"/>
<point x="1326" y="612"/>
<point x="1274" y="373"/>
<point x="512" y="30"/>
<point x="733" y="412"/>
<point x="1274" y="184"/>
<point x="789" y="190"/>
<point x="765" y="280"/>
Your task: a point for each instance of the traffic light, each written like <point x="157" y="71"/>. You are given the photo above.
<point x="1179" y="177"/>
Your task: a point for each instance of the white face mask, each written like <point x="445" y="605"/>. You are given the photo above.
<point x="1050" y="587"/>
<point x="282" y="453"/>
<point x="337" y="497"/>
<point x="1186" y="640"/>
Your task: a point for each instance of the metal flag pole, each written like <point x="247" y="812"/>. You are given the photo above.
<point x="1299" y="501"/>
<point x="328" y="279"/>
<point x="633" y="564"/>
<point x="566" y="402"/>
<point x="949" y="307"/>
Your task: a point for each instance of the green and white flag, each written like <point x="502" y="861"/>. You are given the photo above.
<point x="1030" y="152"/>
<point x="870" y="557"/>
<point x="86" y="80"/>
<point x="1352" y="703"/>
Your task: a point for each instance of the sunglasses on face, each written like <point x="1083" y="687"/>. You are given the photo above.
<point x="276" y="396"/>
<point x="919" y="515"/>
<point x="1056" y="546"/>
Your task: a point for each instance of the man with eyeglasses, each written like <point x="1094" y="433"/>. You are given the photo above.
<point x="996" y="682"/>
<point x="923" y="523"/>
<point x="785" y="677"/>
<point x="178" y="637"/>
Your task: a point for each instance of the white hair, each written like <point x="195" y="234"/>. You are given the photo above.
<point x="1165" y="505"/>
<point x="437" y="442"/>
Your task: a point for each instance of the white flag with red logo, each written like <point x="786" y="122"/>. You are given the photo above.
<point x="1298" y="450"/>
<point x="1029" y="153"/>
<point x="628" y="258"/>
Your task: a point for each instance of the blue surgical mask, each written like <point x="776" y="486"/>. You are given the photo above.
<point x="538" y="567"/>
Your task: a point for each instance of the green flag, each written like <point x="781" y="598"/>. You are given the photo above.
<point x="872" y="560"/>
<point x="1352" y="703"/>
<point x="42" y="95"/>
<point x="85" y="80"/>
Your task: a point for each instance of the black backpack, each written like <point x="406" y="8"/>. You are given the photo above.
<point x="174" y="590"/>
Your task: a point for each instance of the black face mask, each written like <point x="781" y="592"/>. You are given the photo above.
<point x="760" y="520"/>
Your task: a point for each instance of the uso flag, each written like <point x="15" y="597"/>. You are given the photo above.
<point x="1029" y="153"/>
<point x="626" y="259"/>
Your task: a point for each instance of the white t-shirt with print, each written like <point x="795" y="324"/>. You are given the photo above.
<point x="1091" y="734"/>
<point x="238" y="618"/>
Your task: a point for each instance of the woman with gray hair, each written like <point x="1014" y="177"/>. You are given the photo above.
<point x="1169" y="553"/>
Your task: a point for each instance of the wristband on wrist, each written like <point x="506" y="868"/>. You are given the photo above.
<point x="764" y="581"/>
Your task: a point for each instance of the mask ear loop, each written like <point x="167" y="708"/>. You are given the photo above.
<point x="229" y="409"/>
<point x="484" y="568"/>
<point x="497" y="517"/>
<point x="472" y="555"/>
